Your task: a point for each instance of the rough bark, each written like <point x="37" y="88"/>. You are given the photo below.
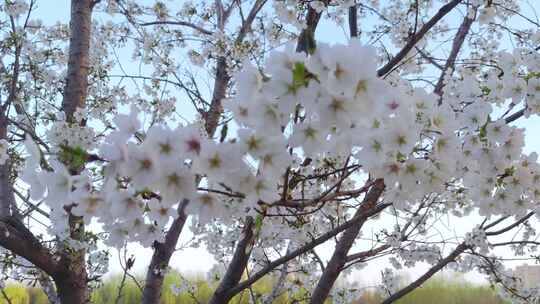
<point x="71" y="284"/>
<point x="339" y="257"/>
<point x="19" y="240"/>
<point x="236" y="267"/>
<point x="76" y="87"/>
<point x="221" y="84"/>
<point x="7" y="201"/>
<point x="160" y="260"/>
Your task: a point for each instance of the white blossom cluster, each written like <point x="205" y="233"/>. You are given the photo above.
<point x="477" y="239"/>
<point x="321" y="106"/>
<point x="390" y="282"/>
<point x="15" y="8"/>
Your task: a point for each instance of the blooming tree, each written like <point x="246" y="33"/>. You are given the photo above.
<point x="234" y="119"/>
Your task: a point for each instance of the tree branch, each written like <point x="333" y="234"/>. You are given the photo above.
<point x="16" y="238"/>
<point x="161" y="257"/>
<point x="413" y="40"/>
<point x="236" y="266"/>
<point x="353" y="21"/>
<point x="366" y="213"/>
<point x="433" y="270"/>
<point x="462" y="32"/>
<point x="339" y="257"/>
<point x="182" y="23"/>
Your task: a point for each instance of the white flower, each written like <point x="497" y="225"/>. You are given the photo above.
<point x="336" y="110"/>
<point x="249" y="81"/>
<point x="476" y="115"/>
<point x="165" y="142"/>
<point x="31" y="173"/>
<point x="206" y="206"/>
<point x="59" y="223"/>
<point x="128" y="124"/>
<point x="514" y="88"/>
<point x="486" y="14"/>
<point x="142" y="165"/>
<point x="218" y="161"/>
<point x="124" y="205"/>
<point x="88" y="206"/>
<point x="176" y="183"/>
<point x="35" y="180"/>
<point x="16" y="8"/>
<point x="116" y="235"/>
<point x="318" y="6"/>
<point x="498" y="131"/>
<point x="159" y="212"/>
<point x="264" y="189"/>
<point x="310" y="136"/>
<point x="191" y="140"/>
<point x="59" y="185"/>
<point x="274" y="163"/>
<point x="114" y="148"/>
<point x="34" y="154"/>
<point x="257" y="145"/>
<point x="400" y="139"/>
<point x="443" y="119"/>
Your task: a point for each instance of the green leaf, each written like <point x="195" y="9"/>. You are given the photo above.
<point x="299" y="76"/>
<point x="259" y="222"/>
<point x="74" y="157"/>
<point x="532" y="75"/>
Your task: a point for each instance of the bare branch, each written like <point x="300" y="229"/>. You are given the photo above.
<point x="433" y="270"/>
<point x="413" y="40"/>
<point x="182" y="23"/>
<point x="462" y="32"/>
<point x="353" y="20"/>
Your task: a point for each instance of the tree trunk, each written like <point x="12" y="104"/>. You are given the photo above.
<point x="236" y="267"/>
<point x="339" y="257"/>
<point x="221" y="83"/>
<point x="76" y="87"/>
<point x="71" y="287"/>
<point x="160" y="260"/>
<point x="71" y="278"/>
